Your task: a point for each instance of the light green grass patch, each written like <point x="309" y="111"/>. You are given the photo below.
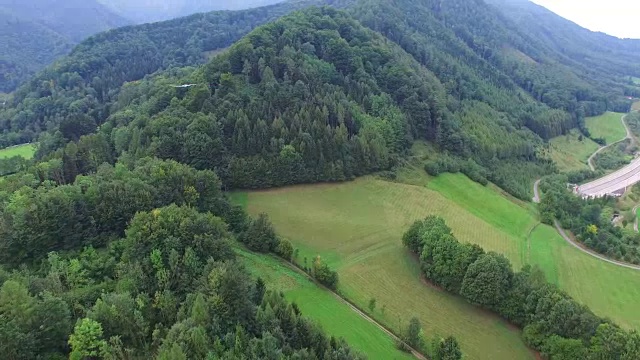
<point x="635" y="106"/>
<point x="357" y="228"/>
<point x="321" y="306"/>
<point x="360" y="225"/>
<point x="570" y="153"/>
<point x="607" y="126"/>
<point x="24" y="150"/>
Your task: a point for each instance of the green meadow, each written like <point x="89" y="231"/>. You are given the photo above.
<point x="571" y="152"/>
<point x="357" y="228"/>
<point x="24" y="150"/>
<point x="323" y="307"/>
<point x="607" y="126"/>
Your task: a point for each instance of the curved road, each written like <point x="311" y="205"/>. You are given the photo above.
<point x="577" y="245"/>
<point x="629" y="136"/>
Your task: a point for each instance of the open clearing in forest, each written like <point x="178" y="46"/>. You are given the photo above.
<point x="357" y="227"/>
<point x="24" y="150"/>
<point x="570" y="153"/>
<point x="607" y="126"/>
<point x="635" y="106"/>
<point x="322" y="307"/>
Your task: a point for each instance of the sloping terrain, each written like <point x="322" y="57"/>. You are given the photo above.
<point x="35" y="33"/>
<point x="143" y="11"/>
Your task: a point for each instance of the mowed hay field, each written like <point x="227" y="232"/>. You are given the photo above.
<point x="570" y="153"/>
<point x="324" y="308"/>
<point x="357" y="227"/>
<point x="25" y="150"/>
<point x="607" y="126"/>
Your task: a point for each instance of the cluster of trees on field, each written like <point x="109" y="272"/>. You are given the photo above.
<point x="590" y="220"/>
<point x="616" y="156"/>
<point x="135" y="261"/>
<point x="552" y="321"/>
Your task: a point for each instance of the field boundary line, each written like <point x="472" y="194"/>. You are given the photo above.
<point x="354" y="308"/>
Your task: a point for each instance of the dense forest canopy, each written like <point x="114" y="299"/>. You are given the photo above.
<point x="35" y="33"/>
<point x="499" y="82"/>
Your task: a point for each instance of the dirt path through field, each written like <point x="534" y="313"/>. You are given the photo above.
<point x="629" y="136"/>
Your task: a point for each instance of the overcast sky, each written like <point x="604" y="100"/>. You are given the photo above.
<point x="620" y="18"/>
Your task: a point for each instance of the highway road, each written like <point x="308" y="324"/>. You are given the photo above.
<point x="615" y="182"/>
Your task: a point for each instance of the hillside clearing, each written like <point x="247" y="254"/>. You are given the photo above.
<point x="570" y="153"/>
<point x="357" y="227"/>
<point x="607" y="126"/>
<point x="25" y="150"/>
<point x="321" y="306"/>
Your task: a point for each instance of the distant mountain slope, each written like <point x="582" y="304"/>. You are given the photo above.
<point x="142" y="11"/>
<point x="595" y="50"/>
<point x="33" y="33"/>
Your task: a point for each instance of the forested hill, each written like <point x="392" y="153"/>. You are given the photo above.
<point x="143" y="11"/>
<point x="35" y="33"/>
<point x="505" y="90"/>
<point x="596" y="50"/>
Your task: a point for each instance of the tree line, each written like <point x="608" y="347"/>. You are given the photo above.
<point x="137" y="260"/>
<point x="552" y="322"/>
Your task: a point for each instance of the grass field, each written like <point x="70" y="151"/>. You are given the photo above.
<point x="607" y="126"/>
<point x="569" y="153"/>
<point x="322" y="307"/>
<point x="357" y="228"/>
<point x="25" y="150"/>
<point x="635" y="106"/>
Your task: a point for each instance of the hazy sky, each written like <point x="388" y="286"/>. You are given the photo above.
<point x="620" y="18"/>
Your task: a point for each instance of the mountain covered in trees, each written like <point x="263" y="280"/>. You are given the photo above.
<point x="500" y="90"/>
<point x="35" y="33"/>
<point x="144" y="11"/>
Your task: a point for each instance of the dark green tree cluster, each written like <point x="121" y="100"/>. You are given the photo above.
<point x="170" y="289"/>
<point x="40" y="217"/>
<point x="590" y="220"/>
<point x="329" y="101"/>
<point x="552" y="321"/>
<point x="87" y="81"/>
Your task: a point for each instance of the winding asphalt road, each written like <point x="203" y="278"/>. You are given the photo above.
<point x="577" y="245"/>
<point x="629" y="136"/>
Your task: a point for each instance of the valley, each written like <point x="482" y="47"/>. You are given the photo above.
<point x="349" y="179"/>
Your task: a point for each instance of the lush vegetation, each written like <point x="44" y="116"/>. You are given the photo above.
<point x="151" y="275"/>
<point x="34" y="33"/>
<point x="616" y="155"/>
<point x="520" y="95"/>
<point x="552" y="321"/>
<point x="590" y="220"/>
<point x="607" y="127"/>
<point x="142" y="11"/>
<point x="356" y="228"/>
<point x="570" y="152"/>
<point x="323" y="307"/>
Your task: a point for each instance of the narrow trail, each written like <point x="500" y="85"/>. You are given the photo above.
<point x="635" y="216"/>
<point x="600" y="149"/>
<point x="414" y="352"/>
<point x="577" y="245"/>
